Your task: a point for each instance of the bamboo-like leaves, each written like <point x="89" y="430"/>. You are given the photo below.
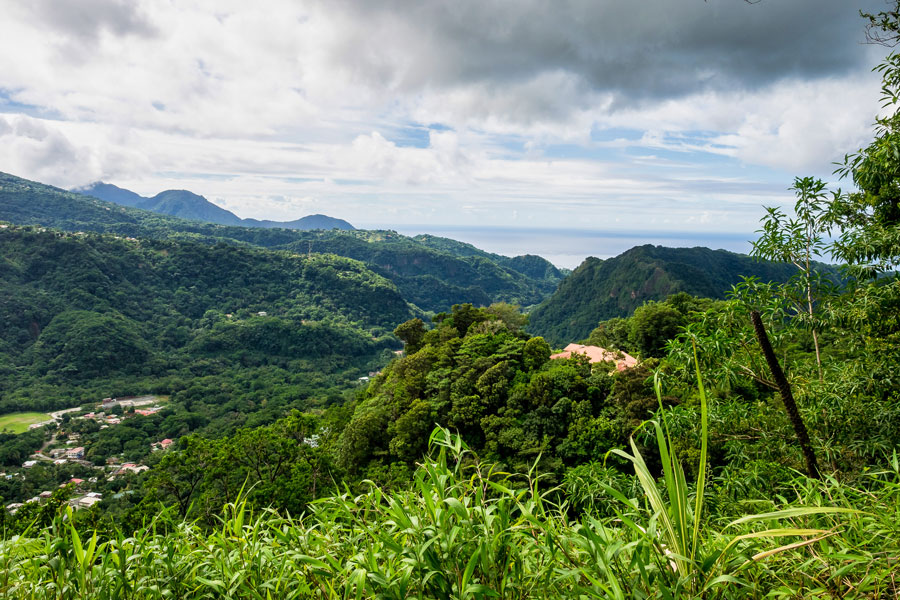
<point x="689" y="555"/>
<point x="466" y="530"/>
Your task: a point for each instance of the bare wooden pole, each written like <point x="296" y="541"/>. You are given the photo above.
<point x="787" y="397"/>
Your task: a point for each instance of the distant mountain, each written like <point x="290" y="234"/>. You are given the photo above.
<point x="602" y="289"/>
<point x="431" y="272"/>
<point x="306" y="223"/>
<point x="188" y="205"/>
<point x="112" y="193"/>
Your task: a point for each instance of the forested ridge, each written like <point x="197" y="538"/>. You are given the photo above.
<point x="435" y="275"/>
<point x="432" y="273"/>
<point x="615" y="287"/>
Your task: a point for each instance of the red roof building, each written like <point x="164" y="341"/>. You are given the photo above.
<point x="597" y="354"/>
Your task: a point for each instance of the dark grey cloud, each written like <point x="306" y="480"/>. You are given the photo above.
<point x="633" y="49"/>
<point x="86" y="20"/>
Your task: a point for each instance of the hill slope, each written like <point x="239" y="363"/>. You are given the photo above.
<point x="308" y="222"/>
<point x="433" y="273"/>
<point x="602" y="289"/>
<point x="432" y="278"/>
<point x="531" y="265"/>
<point x="188" y="205"/>
<point x="80" y="309"/>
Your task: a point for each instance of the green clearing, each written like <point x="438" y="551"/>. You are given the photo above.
<point x="19" y="422"/>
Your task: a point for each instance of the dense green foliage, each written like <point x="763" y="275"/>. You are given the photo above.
<point x="15" y="448"/>
<point x="562" y="479"/>
<point x="647" y="331"/>
<point x="88" y="316"/>
<point x="433" y="278"/>
<point x="603" y="289"/>
<point x="480" y="374"/>
<point x="432" y="273"/>
<point x="465" y="530"/>
<point x="283" y="464"/>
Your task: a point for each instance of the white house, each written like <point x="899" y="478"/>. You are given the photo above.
<point x="75" y="453"/>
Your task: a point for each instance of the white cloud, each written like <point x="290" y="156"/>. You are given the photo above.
<point x="291" y="107"/>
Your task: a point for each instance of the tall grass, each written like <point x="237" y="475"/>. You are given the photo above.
<point x="467" y="530"/>
<point x="685" y="558"/>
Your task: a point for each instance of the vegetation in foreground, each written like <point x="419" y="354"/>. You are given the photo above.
<point x="463" y="529"/>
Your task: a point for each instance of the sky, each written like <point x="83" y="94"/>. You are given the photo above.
<point x="600" y="115"/>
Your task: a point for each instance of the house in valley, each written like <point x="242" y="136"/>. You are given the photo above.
<point x="75" y="453"/>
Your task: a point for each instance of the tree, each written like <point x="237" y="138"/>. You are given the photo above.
<point x="611" y="334"/>
<point x="464" y="316"/>
<point x="799" y="241"/>
<point x="411" y="333"/>
<point x="884" y="27"/>
<point x="509" y="315"/>
<point x="651" y="326"/>
<point x="535" y="353"/>
<point x="729" y="349"/>
<point x="411" y="431"/>
<point x="787" y="397"/>
<point x="179" y="475"/>
<point x="869" y="218"/>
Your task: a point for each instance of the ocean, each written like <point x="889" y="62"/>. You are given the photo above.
<point x="568" y="248"/>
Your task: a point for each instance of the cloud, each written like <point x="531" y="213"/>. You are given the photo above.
<point x="230" y="68"/>
<point x="30" y="146"/>
<point x="86" y="20"/>
<point x="635" y="51"/>
<point x="288" y="106"/>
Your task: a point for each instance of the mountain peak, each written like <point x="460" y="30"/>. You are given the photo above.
<point x="188" y="205"/>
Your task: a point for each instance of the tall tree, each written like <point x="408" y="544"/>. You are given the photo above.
<point x="799" y="241"/>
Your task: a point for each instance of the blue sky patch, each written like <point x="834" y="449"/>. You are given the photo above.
<point x="410" y="137"/>
<point x="612" y="134"/>
<point x="8" y="105"/>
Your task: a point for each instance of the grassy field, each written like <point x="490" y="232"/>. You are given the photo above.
<point x="19" y="422"/>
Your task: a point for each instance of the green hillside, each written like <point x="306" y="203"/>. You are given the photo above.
<point x="433" y="278"/>
<point x="431" y="273"/>
<point x="284" y="449"/>
<point x="531" y="265"/>
<point x="83" y="312"/>
<point x="602" y="289"/>
<point x="25" y="202"/>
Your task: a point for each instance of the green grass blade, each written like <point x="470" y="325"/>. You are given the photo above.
<point x="701" y="471"/>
